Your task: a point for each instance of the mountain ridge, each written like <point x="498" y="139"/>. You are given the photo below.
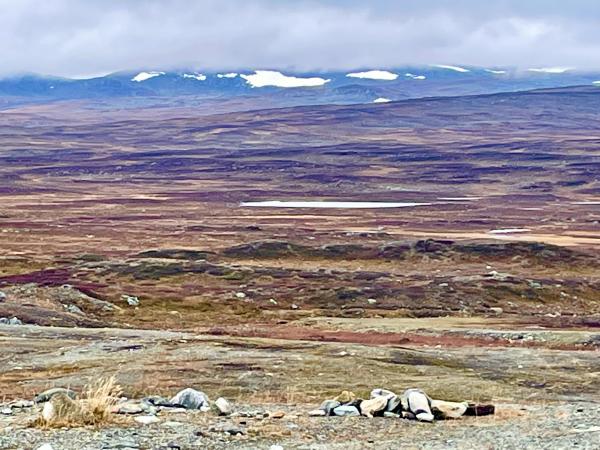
<point x="324" y="87"/>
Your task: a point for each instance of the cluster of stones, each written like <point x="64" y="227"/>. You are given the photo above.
<point x="60" y="401"/>
<point x="411" y="404"/>
<point x="10" y="321"/>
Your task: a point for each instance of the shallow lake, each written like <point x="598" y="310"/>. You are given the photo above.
<point x="330" y="204"/>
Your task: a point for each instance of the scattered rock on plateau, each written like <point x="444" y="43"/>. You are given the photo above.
<point x="190" y="399"/>
<point x="317" y="413"/>
<point x="62" y="408"/>
<point x="129" y="408"/>
<point x="234" y="431"/>
<point x="157" y="400"/>
<point x="2" y="296"/>
<point x="11" y="321"/>
<point x="393" y="403"/>
<point x="240" y="295"/>
<point x="131" y="300"/>
<point x="448" y="410"/>
<point x="345" y="397"/>
<point x="172" y="424"/>
<point x="496" y="310"/>
<point x="328" y="406"/>
<point x="223" y="406"/>
<point x="416" y="401"/>
<point x="6" y="411"/>
<point x="346" y="410"/>
<point x="48" y="394"/>
<point x="372" y="406"/>
<point x="480" y="410"/>
<point x="20" y="404"/>
<point x="73" y="309"/>
<point x="381" y="392"/>
<point x="277" y="415"/>
<point x="147" y="420"/>
<point x="121" y="445"/>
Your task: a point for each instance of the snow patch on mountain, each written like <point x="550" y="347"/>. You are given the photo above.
<point x="374" y="75"/>
<point x="195" y="76"/>
<point x="415" y="77"/>
<point x="143" y="76"/>
<point x="227" y="75"/>
<point x="455" y="68"/>
<point x="381" y="100"/>
<point x="262" y="78"/>
<point x="495" y="72"/>
<point x="550" y="69"/>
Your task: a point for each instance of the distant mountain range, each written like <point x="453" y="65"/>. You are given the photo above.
<point x="294" y="88"/>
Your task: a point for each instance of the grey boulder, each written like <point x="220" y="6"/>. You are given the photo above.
<point x="223" y="406"/>
<point x="346" y="410"/>
<point x="157" y="400"/>
<point x="48" y="394"/>
<point x="11" y="321"/>
<point x="190" y="399"/>
<point x="328" y="406"/>
<point x="381" y="393"/>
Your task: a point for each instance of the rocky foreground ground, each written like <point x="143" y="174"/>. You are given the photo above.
<point x="538" y="426"/>
<point x="546" y="396"/>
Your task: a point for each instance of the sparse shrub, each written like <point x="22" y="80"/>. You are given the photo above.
<point x="94" y="408"/>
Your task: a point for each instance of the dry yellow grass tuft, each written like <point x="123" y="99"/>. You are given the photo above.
<point x="100" y="397"/>
<point x="94" y="408"/>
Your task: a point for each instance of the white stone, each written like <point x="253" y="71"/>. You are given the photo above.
<point x="147" y="420"/>
<point x="223" y="406"/>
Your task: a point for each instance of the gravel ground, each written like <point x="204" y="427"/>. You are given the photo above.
<point x="555" y="426"/>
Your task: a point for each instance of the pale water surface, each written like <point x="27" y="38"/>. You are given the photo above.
<point x="329" y="204"/>
<point x="509" y="230"/>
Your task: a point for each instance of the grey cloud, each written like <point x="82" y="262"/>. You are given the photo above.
<point x="86" y="37"/>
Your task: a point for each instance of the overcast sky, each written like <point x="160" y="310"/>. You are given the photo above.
<point x="89" y="37"/>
